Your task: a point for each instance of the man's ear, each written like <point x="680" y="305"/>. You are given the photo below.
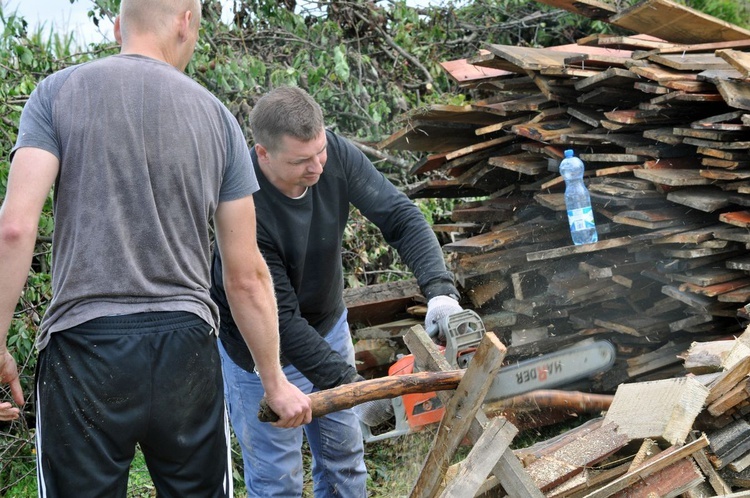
<point x="185" y="22"/>
<point x="262" y="152"/>
<point x="118" y="31"/>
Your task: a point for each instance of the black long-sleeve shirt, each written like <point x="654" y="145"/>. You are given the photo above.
<point x="301" y="240"/>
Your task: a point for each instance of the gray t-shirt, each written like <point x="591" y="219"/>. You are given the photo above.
<point x="146" y="154"/>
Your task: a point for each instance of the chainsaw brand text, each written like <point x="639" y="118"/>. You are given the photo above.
<point x="539" y="373"/>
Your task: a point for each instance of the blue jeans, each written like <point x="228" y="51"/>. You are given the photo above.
<point x="273" y="456"/>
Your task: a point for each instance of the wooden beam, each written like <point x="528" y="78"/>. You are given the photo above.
<point x="509" y="471"/>
<point x="459" y="413"/>
<point x="482" y="458"/>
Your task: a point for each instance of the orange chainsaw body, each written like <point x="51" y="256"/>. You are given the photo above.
<point x="421" y="409"/>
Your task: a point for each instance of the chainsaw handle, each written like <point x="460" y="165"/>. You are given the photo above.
<point x="349" y="395"/>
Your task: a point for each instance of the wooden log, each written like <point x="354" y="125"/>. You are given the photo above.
<point x="349" y="395"/>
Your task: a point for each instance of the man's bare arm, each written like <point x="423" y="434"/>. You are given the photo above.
<point x="32" y="174"/>
<point x="250" y="293"/>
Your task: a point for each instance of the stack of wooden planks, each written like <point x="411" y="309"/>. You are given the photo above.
<point x="661" y="118"/>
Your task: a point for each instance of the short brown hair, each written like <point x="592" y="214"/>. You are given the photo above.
<point x="286" y="110"/>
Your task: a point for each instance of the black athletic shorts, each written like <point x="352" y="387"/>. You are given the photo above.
<point x="150" y="378"/>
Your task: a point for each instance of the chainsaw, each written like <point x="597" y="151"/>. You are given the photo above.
<point x="462" y="332"/>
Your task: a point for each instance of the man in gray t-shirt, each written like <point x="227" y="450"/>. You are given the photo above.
<point x="143" y="161"/>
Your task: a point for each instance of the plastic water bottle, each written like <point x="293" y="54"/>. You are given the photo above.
<point x="577" y="201"/>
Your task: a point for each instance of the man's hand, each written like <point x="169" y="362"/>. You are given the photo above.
<point x="292" y="406"/>
<point x="9" y="375"/>
<point x="438" y="308"/>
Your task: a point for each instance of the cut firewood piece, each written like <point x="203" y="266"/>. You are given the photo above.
<point x="677" y="23"/>
<point x="729" y="443"/>
<point x="552" y="469"/>
<point x="663" y="409"/>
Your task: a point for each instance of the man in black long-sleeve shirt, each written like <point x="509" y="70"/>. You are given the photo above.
<point x="308" y="178"/>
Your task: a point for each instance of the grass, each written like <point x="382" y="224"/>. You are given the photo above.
<point x="393" y="464"/>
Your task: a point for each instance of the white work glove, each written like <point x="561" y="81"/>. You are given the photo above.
<point x="438" y="308"/>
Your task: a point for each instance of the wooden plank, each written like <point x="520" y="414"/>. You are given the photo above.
<point x="700" y="47"/>
<point x="663" y="409"/>
<point x="378" y="303"/>
<point x="729" y="443"/>
<point x="739" y="60"/>
<point x="601" y="245"/>
<point x="691" y="62"/>
<point x="482" y="458"/>
<point x="728" y="380"/>
<point x="529" y="58"/>
<point x="459" y="414"/>
<point x="613" y="77"/>
<point x="632" y="42"/>
<point x="464" y="73"/>
<point x="677" y="23"/>
<point x="508" y="471"/>
<point x="478" y="147"/>
<point x="661" y="461"/>
<point x="672" y="481"/>
<point x="431" y="137"/>
<point x="716" y="289"/>
<point x="736" y="218"/>
<point x="672" y="177"/>
<point x="661" y="74"/>
<point x="703" y="199"/>
<point x="552" y="469"/>
<point x="593" y="9"/>
<point x="735" y="94"/>
<point x="467" y="114"/>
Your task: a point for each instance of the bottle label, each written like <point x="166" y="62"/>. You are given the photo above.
<point x="581" y="219"/>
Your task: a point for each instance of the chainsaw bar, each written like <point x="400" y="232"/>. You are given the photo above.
<point x="553" y="369"/>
